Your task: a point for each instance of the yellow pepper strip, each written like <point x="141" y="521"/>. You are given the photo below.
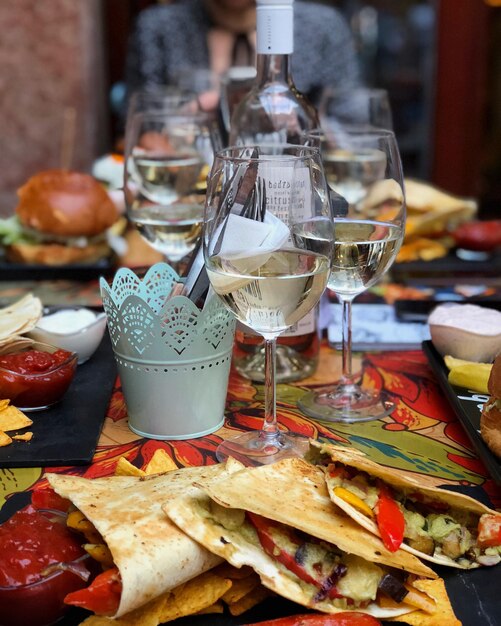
<point x="78" y="521"/>
<point x="419" y="599"/>
<point x="100" y="553"/>
<point x="354" y="500"/>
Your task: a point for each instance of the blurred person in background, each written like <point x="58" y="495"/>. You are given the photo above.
<point x="217" y="34"/>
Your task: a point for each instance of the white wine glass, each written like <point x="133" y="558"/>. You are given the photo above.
<point x="167" y="158"/>
<point x="358" y="106"/>
<point x="368" y="232"/>
<point x="258" y="269"/>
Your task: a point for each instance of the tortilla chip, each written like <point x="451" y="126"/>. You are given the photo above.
<point x="125" y="468"/>
<point x="19" y="317"/>
<point x="241" y="588"/>
<point x="217" y="607"/>
<point x="194" y="596"/>
<point x="11" y="418"/>
<point x="160" y="463"/>
<point x="443" y="615"/>
<point x="256" y="596"/>
<point x="5" y="440"/>
<point x="234" y="573"/>
<point x="24" y="437"/>
<point x="4" y="404"/>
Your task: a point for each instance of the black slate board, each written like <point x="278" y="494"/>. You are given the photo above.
<point x="446" y="270"/>
<point x="67" y="433"/>
<point x="78" y="271"/>
<point x="467" y="405"/>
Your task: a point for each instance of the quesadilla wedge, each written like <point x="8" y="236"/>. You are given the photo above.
<point x="280" y="520"/>
<point x="150" y="555"/>
<point x="434" y="524"/>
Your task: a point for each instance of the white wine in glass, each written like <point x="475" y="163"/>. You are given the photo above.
<point x="167" y="159"/>
<point x="256" y="268"/>
<point x="367" y="237"/>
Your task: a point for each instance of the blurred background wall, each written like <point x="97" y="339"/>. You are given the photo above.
<point x="62" y="66"/>
<point x="53" y="87"/>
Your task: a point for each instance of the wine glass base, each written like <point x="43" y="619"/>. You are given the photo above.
<point x="258" y="448"/>
<point x="349" y="404"/>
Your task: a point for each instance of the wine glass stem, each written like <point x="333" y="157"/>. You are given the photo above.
<point x="346" y="330"/>
<point x="270" y="403"/>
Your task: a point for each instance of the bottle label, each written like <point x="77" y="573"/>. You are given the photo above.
<point x="274" y="28"/>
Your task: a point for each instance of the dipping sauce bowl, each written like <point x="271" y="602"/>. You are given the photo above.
<point x="77" y="330"/>
<point x="35" y="376"/>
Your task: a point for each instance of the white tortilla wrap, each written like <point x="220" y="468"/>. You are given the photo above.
<point x="294" y="493"/>
<point x="400" y="482"/>
<point x="150" y="552"/>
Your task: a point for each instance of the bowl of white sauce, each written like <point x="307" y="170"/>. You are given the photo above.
<point x="78" y="329"/>
<point x="466" y="331"/>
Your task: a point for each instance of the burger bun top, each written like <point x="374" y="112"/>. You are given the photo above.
<point x="62" y="202"/>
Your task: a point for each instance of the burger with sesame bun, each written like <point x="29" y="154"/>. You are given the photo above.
<point x="490" y="420"/>
<point x="62" y="218"/>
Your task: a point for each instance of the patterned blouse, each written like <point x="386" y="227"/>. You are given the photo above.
<point x="170" y="38"/>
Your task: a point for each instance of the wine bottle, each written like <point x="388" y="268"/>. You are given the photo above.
<point x="275" y="112"/>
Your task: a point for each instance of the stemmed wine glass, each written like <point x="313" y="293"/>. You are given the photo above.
<point x="368" y="231"/>
<point x="259" y="201"/>
<point x="358" y="106"/>
<point x="167" y="157"/>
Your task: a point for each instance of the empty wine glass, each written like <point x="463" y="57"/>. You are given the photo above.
<point x="368" y="231"/>
<point x="359" y="106"/>
<point x="257" y="265"/>
<point x="167" y="158"/>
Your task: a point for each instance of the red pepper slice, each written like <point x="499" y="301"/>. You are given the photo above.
<point x="390" y="520"/>
<point x="49" y="499"/>
<point x="102" y="596"/>
<point x="264" y="528"/>
<point x="315" y="619"/>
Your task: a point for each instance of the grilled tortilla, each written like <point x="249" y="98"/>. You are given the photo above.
<point x="441" y="526"/>
<point x="150" y="552"/>
<point x="289" y="499"/>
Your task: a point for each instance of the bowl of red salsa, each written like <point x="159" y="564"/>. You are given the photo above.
<point x="36" y="375"/>
<point x="41" y="560"/>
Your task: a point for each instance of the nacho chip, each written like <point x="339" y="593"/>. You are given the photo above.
<point x="160" y="463"/>
<point x="24" y="437"/>
<point x="4" y="404"/>
<point x="125" y="468"/>
<point x="11" y="418"/>
<point x="217" y="607"/>
<point x="226" y="570"/>
<point x="241" y="588"/>
<point x="19" y="317"/>
<point x="194" y="596"/>
<point x="256" y="596"/>
<point x="5" y="440"/>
